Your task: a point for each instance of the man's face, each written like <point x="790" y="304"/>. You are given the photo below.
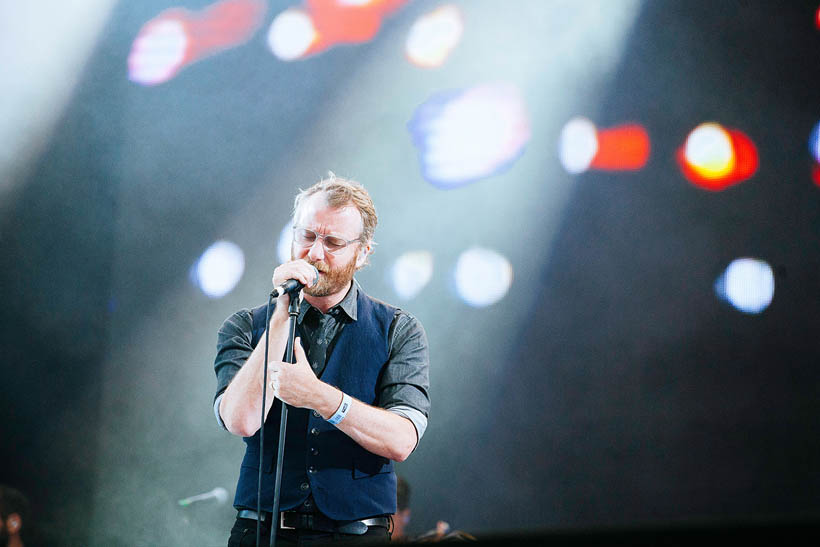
<point x="335" y="270"/>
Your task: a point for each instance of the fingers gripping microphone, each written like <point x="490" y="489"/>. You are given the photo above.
<point x="292" y="286"/>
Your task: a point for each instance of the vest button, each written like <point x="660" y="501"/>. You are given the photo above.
<point x="316" y="414"/>
<point x="311" y="469"/>
<point x="314" y="451"/>
<point x="304" y="486"/>
<point x="314" y="431"/>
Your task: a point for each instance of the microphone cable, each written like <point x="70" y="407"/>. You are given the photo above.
<point x="262" y="428"/>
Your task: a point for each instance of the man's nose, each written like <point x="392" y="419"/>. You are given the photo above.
<point x="317" y="250"/>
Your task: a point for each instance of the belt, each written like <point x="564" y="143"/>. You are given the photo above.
<point x="291" y="520"/>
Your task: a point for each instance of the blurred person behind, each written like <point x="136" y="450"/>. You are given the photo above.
<point x="14" y="512"/>
<point x="402" y="517"/>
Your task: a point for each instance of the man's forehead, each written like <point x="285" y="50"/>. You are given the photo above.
<point x="316" y="210"/>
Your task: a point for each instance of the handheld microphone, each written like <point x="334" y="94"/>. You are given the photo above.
<point x="293" y="286"/>
<point x="218" y="493"/>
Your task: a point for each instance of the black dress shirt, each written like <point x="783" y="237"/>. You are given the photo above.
<point x="404" y="383"/>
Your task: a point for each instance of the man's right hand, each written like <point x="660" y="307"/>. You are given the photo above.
<point x="300" y="270"/>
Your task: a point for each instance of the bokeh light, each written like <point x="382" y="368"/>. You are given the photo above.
<point x="582" y="146"/>
<point x="411" y="272"/>
<point x="814" y="148"/>
<point x="814" y="142"/>
<point x="285" y="243"/>
<point x="318" y="25"/>
<point x="714" y="157"/>
<point x="709" y="151"/>
<point x="621" y="148"/>
<point x="434" y="36"/>
<point x="482" y="276"/>
<point x="178" y="37"/>
<point x="747" y="284"/>
<point x="158" y="52"/>
<point x="219" y="269"/>
<point x="578" y="145"/>
<point x="291" y="34"/>
<point x="466" y="135"/>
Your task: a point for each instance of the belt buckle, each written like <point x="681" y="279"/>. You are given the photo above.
<point x="282" y="522"/>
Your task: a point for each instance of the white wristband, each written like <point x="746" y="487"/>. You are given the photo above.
<point x="341" y="412"/>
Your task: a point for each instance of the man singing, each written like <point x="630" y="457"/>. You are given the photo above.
<point x="358" y="391"/>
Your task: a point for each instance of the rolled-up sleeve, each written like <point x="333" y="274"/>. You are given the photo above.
<point x="405" y="382"/>
<point x="233" y="347"/>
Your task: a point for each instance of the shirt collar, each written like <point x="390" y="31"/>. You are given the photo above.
<point x="349" y="303"/>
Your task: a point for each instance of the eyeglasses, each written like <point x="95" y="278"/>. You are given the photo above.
<point x="332" y="244"/>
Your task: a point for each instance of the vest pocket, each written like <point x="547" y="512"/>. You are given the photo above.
<point x="367" y="467"/>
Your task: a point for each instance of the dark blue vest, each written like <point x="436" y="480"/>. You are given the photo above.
<point x="347" y="481"/>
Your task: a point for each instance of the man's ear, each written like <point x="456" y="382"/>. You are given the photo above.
<point x="361" y="256"/>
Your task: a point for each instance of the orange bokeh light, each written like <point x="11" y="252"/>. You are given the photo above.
<point x="622" y="148"/>
<point x="338" y="23"/>
<point x="742" y="164"/>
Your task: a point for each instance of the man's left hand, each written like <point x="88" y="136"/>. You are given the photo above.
<point x="294" y="383"/>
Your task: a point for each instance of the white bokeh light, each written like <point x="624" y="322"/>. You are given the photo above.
<point x="411" y="272"/>
<point x="158" y="52"/>
<point x="291" y="34"/>
<point x="482" y="276"/>
<point x="434" y="36"/>
<point x="471" y="134"/>
<point x="285" y="243"/>
<point x="747" y="284"/>
<point x="219" y="269"/>
<point x="709" y="150"/>
<point x="578" y="145"/>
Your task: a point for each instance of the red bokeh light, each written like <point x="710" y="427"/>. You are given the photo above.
<point x="815" y="174"/>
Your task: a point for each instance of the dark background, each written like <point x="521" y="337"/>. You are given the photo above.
<point x="610" y="387"/>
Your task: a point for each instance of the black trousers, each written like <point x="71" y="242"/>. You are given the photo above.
<point x="243" y="534"/>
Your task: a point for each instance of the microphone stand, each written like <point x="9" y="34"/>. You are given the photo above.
<point x="293" y="312"/>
